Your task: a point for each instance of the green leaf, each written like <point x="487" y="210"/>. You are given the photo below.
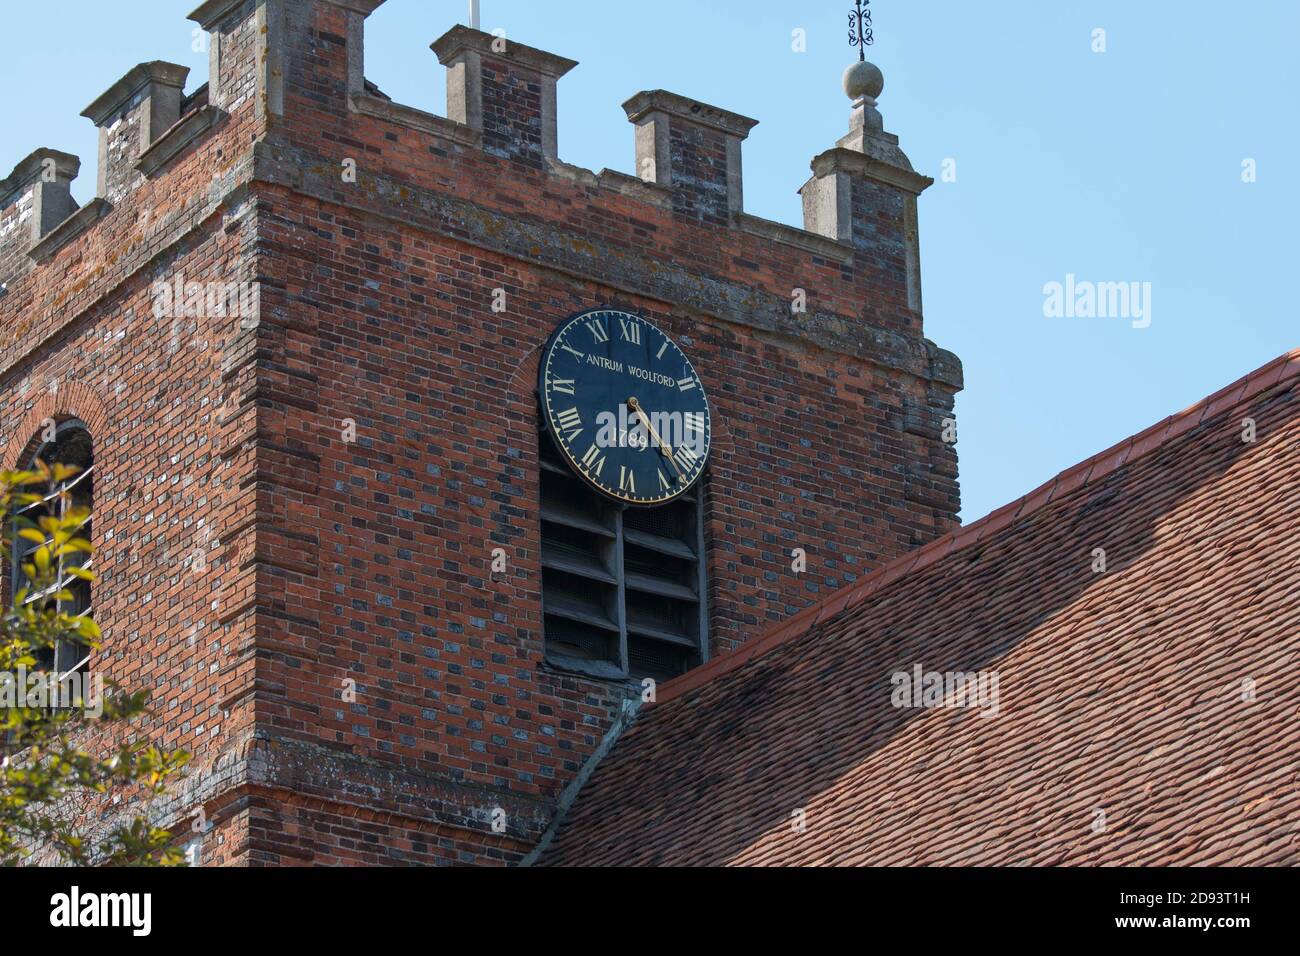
<point x="52" y="757"/>
<point x="87" y="627"/>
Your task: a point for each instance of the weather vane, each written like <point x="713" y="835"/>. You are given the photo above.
<point x="860" y="34"/>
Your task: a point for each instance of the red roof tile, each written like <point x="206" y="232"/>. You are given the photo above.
<point x="1144" y="715"/>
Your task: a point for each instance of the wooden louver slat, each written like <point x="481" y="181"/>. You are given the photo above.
<point x="628" y="581"/>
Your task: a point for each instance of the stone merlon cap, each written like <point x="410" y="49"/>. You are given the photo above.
<point x="136" y="79"/>
<point x="461" y="38"/>
<point x="850" y="161"/>
<point x="209" y="14"/>
<point x="29" y="168"/>
<point x="661" y="101"/>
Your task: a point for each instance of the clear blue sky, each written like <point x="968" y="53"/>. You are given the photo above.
<point x="1121" y="166"/>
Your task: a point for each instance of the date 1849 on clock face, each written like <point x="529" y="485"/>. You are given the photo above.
<point x="625" y="407"/>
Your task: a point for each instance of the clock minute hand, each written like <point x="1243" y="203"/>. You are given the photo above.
<point x="664" y="448"/>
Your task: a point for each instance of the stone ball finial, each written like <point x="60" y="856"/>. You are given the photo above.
<point x="863" y="79"/>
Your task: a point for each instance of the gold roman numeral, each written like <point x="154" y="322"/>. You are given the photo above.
<point x="597" y="328"/>
<point x="686" y="384"/>
<point x="562" y="385"/>
<point x="694" y="423"/>
<point x="685" y="459"/>
<point x="574" y="352"/>
<point x="570" y="422"/>
<point x="664" y="483"/>
<point x="593" y="461"/>
<point x="626" y="480"/>
<point x="631" y="331"/>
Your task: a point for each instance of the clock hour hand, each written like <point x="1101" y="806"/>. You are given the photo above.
<point x="664" y="449"/>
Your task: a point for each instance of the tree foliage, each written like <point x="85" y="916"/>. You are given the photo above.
<point x="62" y="764"/>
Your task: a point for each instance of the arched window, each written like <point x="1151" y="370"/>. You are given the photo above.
<point x="71" y="446"/>
<point x="623" y="588"/>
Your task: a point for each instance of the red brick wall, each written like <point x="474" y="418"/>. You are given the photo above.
<point x="368" y="561"/>
<point x="16" y="213"/>
<point x="699" y="172"/>
<point x="510" y="101"/>
<point x="167" y="401"/>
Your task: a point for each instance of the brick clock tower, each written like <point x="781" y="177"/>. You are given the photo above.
<point x="310" y="341"/>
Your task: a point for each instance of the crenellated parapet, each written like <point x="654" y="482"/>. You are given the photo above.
<point x="694" y="150"/>
<point x="132" y="115"/>
<point x="504" y="91"/>
<point x="34" y="199"/>
<point x="502" y="102"/>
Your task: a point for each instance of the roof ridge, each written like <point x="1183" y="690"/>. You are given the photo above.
<point x="1087" y="472"/>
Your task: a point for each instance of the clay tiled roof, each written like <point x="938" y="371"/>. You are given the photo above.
<point x="1146" y="714"/>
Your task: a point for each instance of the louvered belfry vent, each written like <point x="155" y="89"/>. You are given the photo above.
<point x="623" y="588"/>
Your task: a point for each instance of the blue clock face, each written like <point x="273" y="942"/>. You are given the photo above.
<point x="625" y="407"/>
